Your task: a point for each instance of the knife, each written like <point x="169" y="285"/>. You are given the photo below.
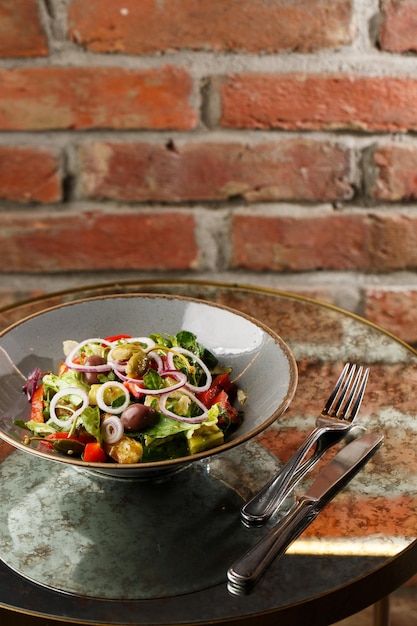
<point x="247" y="570"/>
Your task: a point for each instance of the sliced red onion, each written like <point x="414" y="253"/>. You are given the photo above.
<point x="112" y="429"/>
<point x="62" y="393"/>
<point x="181" y="418"/>
<point x="192" y="356"/>
<point x="100" y="397"/>
<point x="116" y="366"/>
<point x="123" y="376"/>
<point x="31" y="384"/>
<point x="69" y="361"/>
<point x="158" y="360"/>
<point x="180" y="376"/>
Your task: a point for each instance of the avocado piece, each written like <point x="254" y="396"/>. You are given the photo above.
<point x="204" y="438"/>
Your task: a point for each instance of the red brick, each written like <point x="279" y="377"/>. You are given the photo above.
<point x="21" y="30"/>
<point x="70" y="241"/>
<point x="292" y="169"/>
<point x="41" y="98"/>
<point x="394" y="242"/>
<point x="284" y="243"/>
<point x="394" y="310"/>
<point x="247" y="25"/>
<point x="392" y="173"/>
<point x="30" y="174"/>
<point x="398" y="30"/>
<point x="338" y="241"/>
<point x="314" y="102"/>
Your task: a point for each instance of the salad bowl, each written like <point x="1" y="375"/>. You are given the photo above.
<point x="260" y="363"/>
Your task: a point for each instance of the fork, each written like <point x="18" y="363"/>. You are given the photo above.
<point x="332" y="425"/>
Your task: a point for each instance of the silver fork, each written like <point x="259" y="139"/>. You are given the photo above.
<point x="333" y="423"/>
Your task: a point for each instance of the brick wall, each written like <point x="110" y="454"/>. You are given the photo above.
<point x="270" y="143"/>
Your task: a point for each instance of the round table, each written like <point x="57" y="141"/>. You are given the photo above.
<point x="363" y="544"/>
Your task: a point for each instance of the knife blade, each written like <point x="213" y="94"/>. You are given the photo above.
<point x="243" y="575"/>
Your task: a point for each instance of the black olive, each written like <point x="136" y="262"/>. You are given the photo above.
<point x="91" y="378"/>
<point x="138" y="417"/>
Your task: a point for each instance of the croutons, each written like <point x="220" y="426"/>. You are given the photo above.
<point x="126" y="450"/>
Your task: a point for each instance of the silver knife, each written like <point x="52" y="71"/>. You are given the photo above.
<point x="243" y="575"/>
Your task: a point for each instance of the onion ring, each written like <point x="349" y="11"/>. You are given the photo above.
<point x="100" y="397"/>
<point x="112" y="429"/>
<point x="200" y="362"/>
<point x="69" y="361"/>
<point x="62" y="393"/>
<point x="162" y="400"/>
<point x="181" y="377"/>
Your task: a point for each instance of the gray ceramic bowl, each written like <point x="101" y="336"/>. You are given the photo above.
<point x="262" y="362"/>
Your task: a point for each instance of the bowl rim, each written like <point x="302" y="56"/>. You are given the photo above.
<point x="184" y="460"/>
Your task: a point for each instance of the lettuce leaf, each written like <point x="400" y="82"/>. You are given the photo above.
<point x="90" y="419"/>
<point x="70" y="378"/>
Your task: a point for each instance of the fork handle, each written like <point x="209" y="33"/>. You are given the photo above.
<point x="261" y="506"/>
<point x="247" y="570"/>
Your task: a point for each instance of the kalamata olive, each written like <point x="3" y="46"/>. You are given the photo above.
<point x="91" y="378"/>
<point x="138" y="417"/>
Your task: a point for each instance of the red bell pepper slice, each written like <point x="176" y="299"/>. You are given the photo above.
<point x="117" y="338"/>
<point x="133" y="389"/>
<point x="81" y="438"/>
<point x="37" y="404"/>
<point x="94" y="453"/>
<point x="219" y="383"/>
<point x="62" y="368"/>
<point x="223" y="400"/>
<point x="53" y="436"/>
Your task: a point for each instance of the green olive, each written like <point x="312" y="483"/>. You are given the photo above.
<point x="123" y="352"/>
<point x="70" y="447"/>
<point x="137" y="364"/>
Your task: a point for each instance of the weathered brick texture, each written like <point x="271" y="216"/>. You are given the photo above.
<point x="248" y="25"/>
<point x="95" y="240"/>
<point x="30" y="174"/>
<point x="379" y="243"/>
<point x="21" y="30"/>
<point x="392" y="173"/>
<point x="291" y="169"/>
<point x="398" y="26"/>
<point x="313" y="102"/>
<point x="42" y="98"/>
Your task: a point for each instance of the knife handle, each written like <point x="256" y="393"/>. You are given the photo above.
<point x="247" y="570"/>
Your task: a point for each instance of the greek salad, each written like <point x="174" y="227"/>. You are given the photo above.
<point x="131" y="399"/>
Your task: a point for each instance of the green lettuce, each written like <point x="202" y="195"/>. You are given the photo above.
<point x="70" y="378"/>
